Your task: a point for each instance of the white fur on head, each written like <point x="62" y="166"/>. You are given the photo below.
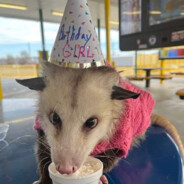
<point x="77" y="95"/>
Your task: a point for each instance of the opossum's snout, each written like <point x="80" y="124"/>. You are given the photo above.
<point x="67" y="162"/>
<point x="67" y="157"/>
<point x="67" y="166"/>
<point x="66" y="170"/>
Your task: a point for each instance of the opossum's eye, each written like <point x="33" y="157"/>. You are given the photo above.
<point x="91" y="123"/>
<point x="54" y="118"/>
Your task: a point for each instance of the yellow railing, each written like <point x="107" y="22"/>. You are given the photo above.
<point x="152" y="61"/>
<point x="143" y="60"/>
<point x="18" y="71"/>
<point x="1" y="91"/>
<point x="126" y="70"/>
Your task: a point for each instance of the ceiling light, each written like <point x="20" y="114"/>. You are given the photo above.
<point x="131" y="13"/>
<point x="155" y="12"/>
<point x="13" y="6"/>
<point x="57" y="13"/>
<point x="114" y="22"/>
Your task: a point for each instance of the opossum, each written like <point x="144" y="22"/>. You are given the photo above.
<point x="78" y="108"/>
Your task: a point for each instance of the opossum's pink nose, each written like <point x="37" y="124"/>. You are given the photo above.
<point x="66" y="169"/>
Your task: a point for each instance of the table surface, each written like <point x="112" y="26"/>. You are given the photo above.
<point x="155" y="161"/>
<point x="167" y="58"/>
<point x="148" y="68"/>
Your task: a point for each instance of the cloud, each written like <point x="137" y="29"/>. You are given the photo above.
<point x="23" y="31"/>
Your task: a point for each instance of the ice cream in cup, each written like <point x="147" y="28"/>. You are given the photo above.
<point x="89" y="173"/>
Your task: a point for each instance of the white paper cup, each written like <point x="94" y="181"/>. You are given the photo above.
<point x="92" y="178"/>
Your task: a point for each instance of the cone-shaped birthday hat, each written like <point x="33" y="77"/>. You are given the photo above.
<point x="76" y="44"/>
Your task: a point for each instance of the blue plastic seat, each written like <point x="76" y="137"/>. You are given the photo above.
<point x="156" y="161"/>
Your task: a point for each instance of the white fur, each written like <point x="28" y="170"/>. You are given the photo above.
<point x="92" y="98"/>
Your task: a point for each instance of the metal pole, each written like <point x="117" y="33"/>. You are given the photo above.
<point x="42" y="34"/>
<point x="162" y="71"/>
<point x="1" y="91"/>
<point x="98" y="23"/>
<point x="107" y="23"/>
<point x="136" y="62"/>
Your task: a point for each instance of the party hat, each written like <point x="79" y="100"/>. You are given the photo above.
<point x="76" y="44"/>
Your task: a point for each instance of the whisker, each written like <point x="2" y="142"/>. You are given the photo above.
<point x="43" y="152"/>
<point x="44" y="144"/>
<point x="46" y="164"/>
<point x="40" y="162"/>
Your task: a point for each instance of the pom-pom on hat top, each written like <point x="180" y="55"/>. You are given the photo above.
<point x="76" y="44"/>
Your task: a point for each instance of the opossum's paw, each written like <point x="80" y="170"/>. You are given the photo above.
<point x="36" y="182"/>
<point x="41" y="182"/>
<point x="103" y="180"/>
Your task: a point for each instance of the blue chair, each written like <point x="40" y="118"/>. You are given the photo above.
<point x="156" y="161"/>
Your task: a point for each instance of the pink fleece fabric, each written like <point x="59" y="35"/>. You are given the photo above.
<point x="37" y="125"/>
<point x="133" y="122"/>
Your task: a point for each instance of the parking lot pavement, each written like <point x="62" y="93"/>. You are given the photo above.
<point x="11" y="89"/>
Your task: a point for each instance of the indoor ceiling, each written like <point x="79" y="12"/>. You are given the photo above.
<point x="48" y="6"/>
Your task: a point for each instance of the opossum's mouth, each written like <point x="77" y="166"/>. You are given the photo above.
<point x="67" y="164"/>
<point x="90" y="166"/>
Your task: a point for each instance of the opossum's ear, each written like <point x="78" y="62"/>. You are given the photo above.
<point x="37" y="84"/>
<point x="50" y="69"/>
<point x="121" y="94"/>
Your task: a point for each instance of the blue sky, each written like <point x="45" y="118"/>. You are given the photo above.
<point x="17" y="35"/>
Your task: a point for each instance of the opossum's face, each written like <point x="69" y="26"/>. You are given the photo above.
<point x="77" y="111"/>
